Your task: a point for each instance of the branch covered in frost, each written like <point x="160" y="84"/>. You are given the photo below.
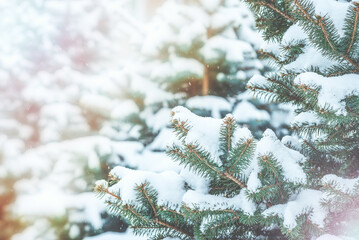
<point x="242" y="177"/>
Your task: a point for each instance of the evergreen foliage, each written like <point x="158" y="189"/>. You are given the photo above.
<point x="198" y="54"/>
<point x="235" y="187"/>
<point x="54" y="62"/>
<point x="329" y="126"/>
<point x="202" y="48"/>
<point x="324" y="92"/>
<point x="244" y="176"/>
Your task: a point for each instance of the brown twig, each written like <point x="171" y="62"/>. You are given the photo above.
<point x="354" y="29"/>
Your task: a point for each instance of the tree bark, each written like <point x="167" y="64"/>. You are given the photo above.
<point x="205" y="81"/>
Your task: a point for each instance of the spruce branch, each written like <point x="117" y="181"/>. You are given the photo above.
<point x="329" y="187"/>
<point x="277" y="10"/>
<point x="356" y="9"/>
<point x="141" y="188"/>
<point x="100" y="188"/>
<point x="247" y="144"/>
<point x="228" y="121"/>
<point x="130" y="208"/>
<point x="227" y="175"/>
<point x="320" y="21"/>
<point x="173" y="227"/>
<point x="266" y="160"/>
<point x="235" y="180"/>
<point x="273" y="80"/>
<point x="170" y="210"/>
<point x="263" y="53"/>
<point x="192" y="149"/>
<point x="225" y="222"/>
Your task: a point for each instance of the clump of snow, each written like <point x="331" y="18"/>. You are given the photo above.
<point x="341" y="184"/>
<point x="177" y="67"/>
<point x="204" y="130"/>
<point x="74" y="231"/>
<point x="257" y="80"/>
<point x="253" y="182"/>
<point x="332" y="89"/>
<point x="292" y="142"/>
<point x="307" y="200"/>
<point x="59" y="120"/>
<point x="205" y="201"/>
<point x="128" y="235"/>
<point x="232" y="50"/>
<point x="335" y="10"/>
<point x="294" y="32"/>
<point x="101" y="184"/>
<point x="198" y="183"/>
<point x="156" y="162"/>
<point x="241" y="133"/>
<point x="168" y="184"/>
<point x="159" y="120"/>
<point x="309" y="117"/>
<point x="310" y="57"/>
<point x="124" y="109"/>
<point x="248" y="96"/>
<point x="288" y="159"/>
<point x="210" y="5"/>
<point x="214" y="104"/>
<point x="163" y="139"/>
<point x="329" y="237"/>
<point x="246" y="112"/>
<point x="101" y="105"/>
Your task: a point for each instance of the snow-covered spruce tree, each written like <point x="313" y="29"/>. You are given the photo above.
<point x="316" y="44"/>
<point x="198" y="54"/>
<point x="54" y="64"/>
<point x="202" y="47"/>
<point x="228" y="179"/>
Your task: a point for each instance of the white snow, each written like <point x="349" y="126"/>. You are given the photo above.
<point x="287" y="158"/>
<point x="309" y="117"/>
<point x="169" y="185"/>
<point x="329" y="237"/>
<point x="128" y="235"/>
<point x="333" y="89"/>
<point x="202" y="201"/>
<point x="165" y="138"/>
<point x="307" y="200"/>
<point x="242" y="133"/>
<point x="159" y="120"/>
<point x="199" y="131"/>
<point x="178" y="67"/>
<point x="210" y="5"/>
<point x="341" y="184"/>
<point x="310" y="57"/>
<point x="233" y="50"/>
<point x="214" y="104"/>
<point x="257" y="80"/>
<point x="245" y="112"/>
<point x="198" y="183"/>
<point x="101" y="184"/>
<point x="124" y="109"/>
<point x="336" y="10"/>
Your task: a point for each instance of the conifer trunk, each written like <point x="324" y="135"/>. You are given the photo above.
<point x="205" y="81"/>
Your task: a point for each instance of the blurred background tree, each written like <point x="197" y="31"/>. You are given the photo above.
<point x="51" y="58"/>
<point x="86" y="85"/>
<point x="198" y="54"/>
